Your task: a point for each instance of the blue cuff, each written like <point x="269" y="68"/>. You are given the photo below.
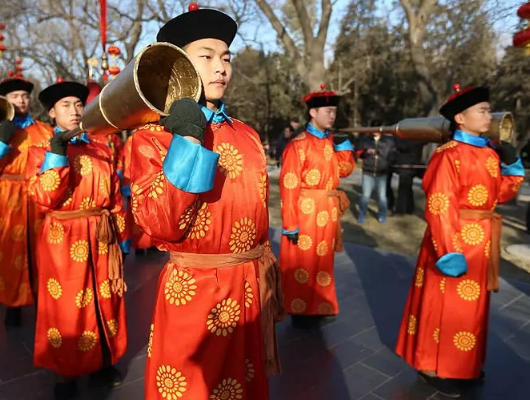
<point x="125" y="191"/>
<point x="284" y="232"/>
<point x="120" y="174"/>
<point x="4" y="149"/>
<point x="189" y="166"/>
<point x="452" y="264"/>
<point x="346" y="145"/>
<point x="52" y="160"/>
<point x="515" y="169"/>
<point x="126" y="246"/>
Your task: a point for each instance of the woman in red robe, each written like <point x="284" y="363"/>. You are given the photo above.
<point x="445" y="324"/>
<point x="313" y="163"/>
<point x="199" y="187"/>
<point x="81" y="325"/>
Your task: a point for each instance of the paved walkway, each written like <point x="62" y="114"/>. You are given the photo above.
<point x="350" y="358"/>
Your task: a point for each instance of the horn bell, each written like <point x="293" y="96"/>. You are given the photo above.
<point x="7" y="110"/>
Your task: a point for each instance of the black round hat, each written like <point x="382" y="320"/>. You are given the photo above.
<point x="52" y="94"/>
<point x="462" y="99"/>
<point x="13" y="84"/>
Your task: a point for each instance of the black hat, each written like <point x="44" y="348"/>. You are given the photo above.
<point x="461" y="100"/>
<point x="12" y="84"/>
<point x="196" y="25"/>
<point x="322" y="99"/>
<point x="52" y="94"/>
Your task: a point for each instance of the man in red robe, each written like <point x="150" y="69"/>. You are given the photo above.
<point x="199" y="187"/>
<point x="19" y="219"/>
<point x="313" y="163"/>
<point x="81" y="325"/>
<point x="445" y="324"/>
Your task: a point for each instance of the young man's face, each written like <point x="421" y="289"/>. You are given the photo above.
<point x="67" y="113"/>
<point x="476" y="119"/>
<point x="212" y="60"/>
<point x="20" y="100"/>
<point x="323" y="117"/>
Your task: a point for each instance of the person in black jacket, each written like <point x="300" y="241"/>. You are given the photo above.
<point x="283" y="141"/>
<point x="377" y="152"/>
<point x="407" y="159"/>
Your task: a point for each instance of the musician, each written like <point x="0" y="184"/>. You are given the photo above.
<point x="445" y="323"/>
<point x="20" y="220"/>
<point x="81" y="325"/>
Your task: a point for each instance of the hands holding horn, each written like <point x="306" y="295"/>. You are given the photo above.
<point x="185" y="119"/>
<point x="7" y="131"/>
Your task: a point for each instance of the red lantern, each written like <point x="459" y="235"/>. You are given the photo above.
<point x="18" y="61"/>
<point x="524" y="11"/>
<point x="114" y="70"/>
<point x="2" y="26"/>
<point x="114" y="50"/>
<point x="522" y="39"/>
<point x="1" y="37"/>
<point x="19" y="68"/>
<point x="2" y="47"/>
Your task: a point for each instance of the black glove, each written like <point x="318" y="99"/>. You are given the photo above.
<point x="506" y="153"/>
<point x="59" y="143"/>
<point x="7" y="131"/>
<point x="339" y="139"/>
<point x="292" y="237"/>
<point x="185" y="119"/>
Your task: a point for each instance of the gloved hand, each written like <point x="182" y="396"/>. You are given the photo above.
<point x="339" y="139"/>
<point x="185" y="119"/>
<point x="59" y="143"/>
<point x="506" y="153"/>
<point x="292" y="237"/>
<point x="7" y="131"/>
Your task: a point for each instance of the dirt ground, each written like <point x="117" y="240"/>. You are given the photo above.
<point x="403" y="234"/>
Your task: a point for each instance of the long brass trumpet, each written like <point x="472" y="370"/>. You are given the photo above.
<point x="437" y="129"/>
<point x="7" y="110"/>
<point x="143" y="92"/>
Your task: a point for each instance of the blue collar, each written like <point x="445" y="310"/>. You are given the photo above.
<point x="315" y="132"/>
<point x="218" y="116"/>
<point x="23" y="122"/>
<point x="464" y="137"/>
<point x="76" y="139"/>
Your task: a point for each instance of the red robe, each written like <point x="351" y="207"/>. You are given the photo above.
<point x="311" y="164"/>
<point x="20" y="220"/>
<point x="445" y="322"/>
<point x="206" y="338"/>
<point x="74" y="286"/>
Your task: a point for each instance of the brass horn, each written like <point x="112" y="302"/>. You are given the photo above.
<point x="143" y="92"/>
<point x="436" y="129"/>
<point x="7" y="110"/>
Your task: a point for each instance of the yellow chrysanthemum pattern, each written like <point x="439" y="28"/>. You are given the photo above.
<point x="54" y="289"/>
<point x="468" y="290"/>
<point x="150" y="341"/>
<point x="412" y="325"/>
<point x="170" y="382"/>
<point x="83" y="165"/>
<point x="79" y="251"/>
<point x="307" y="206"/>
<point x="322" y="248"/>
<point x="477" y="195"/>
<point x="436" y="335"/>
<point x="438" y="203"/>
<point x="84" y="297"/>
<point x="180" y="288"/>
<point x="230" y="160"/>
<point x="55" y="338"/>
<point x="464" y="341"/>
<point x="50" y="180"/>
<point x="312" y="177"/>
<point x="492" y="165"/>
<point x="305" y="242"/>
<point x="322" y="218"/>
<point x="420" y="276"/>
<point x="87" y="341"/>
<point x="323" y="278"/>
<point x="157" y="187"/>
<point x="328" y="152"/>
<point x="290" y="180"/>
<point x="298" y="306"/>
<point x="228" y="389"/>
<point x="472" y="234"/>
<point x="446" y="146"/>
<point x="243" y="236"/>
<point x="112" y="328"/>
<point x="249" y="296"/>
<point x="224" y="317"/>
<point x="301" y="275"/>
<point x="249" y="370"/>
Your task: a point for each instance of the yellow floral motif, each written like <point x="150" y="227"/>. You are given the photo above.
<point x="457" y="247"/>
<point x="301" y="275"/>
<point x="103" y="248"/>
<point x="84" y="298"/>
<point x="438" y="203"/>
<point x="136" y="196"/>
<point x="420" y="276"/>
<point x="157" y="187"/>
<point x="301" y="136"/>
<point x="305" y="242"/>
<point x="457" y="166"/>
<point x="325" y="309"/>
<point x="323" y="278"/>
<point x="223" y="318"/>
<point x="301" y="154"/>
<point x="50" y="180"/>
<point x="477" y="195"/>
<point x="243" y="236"/>
<point x="492" y="165"/>
<point x="329" y="185"/>
<point x="104" y="187"/>
<point x="434" y="245"/>
<point x="120" y="222"/>
<point x="517" y="185"/>
<point x="56" y="233"/>
<point x="436" y="335"/>
<point x="79" y="251"/>
<point x="87" y="341"/>
<point x="54" y="337"/>
<point x="464" y="341"/>
<point x="31" y="185"/>
<point x="170" y="382"/>
<point x="250" y="370"/>
<point x="150" y="342"/>
<point x="411" y="327"/>
<point x="112" y="328"/>
<point x="18" y="233"/>
<point x="312" y="178"/>
<point x="298" y="306"/>
<point x="230" y="160"/>
<point x="152" y="128"/>
<point x="448" y="145"/>
<point x="180" y="288"/>
<point x="229" y="389"/>
<point x="69" y="198"/>
<point x="54" y="289"/>
<point x="248" y="295"/>
<point x="442" y="285"/>
<point x="290" y="180"/>
<point x="19" y="262"/>
<point x="328" y="152"/>
<point x="322" y="248"/>
<point x="345" y="168"/>
<point x="334" y="214"/>
<point x="83" y="165"/>
<point x="307" y="206"/>
<point x="468" y="290"/>
<point x="2" y="284"/>
<point x="472" y="234"/>
<point x="200" y="225"/>
<point x="322" y="218"/>
<point x="87" y="203"/>
<point x="263" y="189"/>
<point x="487" y="249"/>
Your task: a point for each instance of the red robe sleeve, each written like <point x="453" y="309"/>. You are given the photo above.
<point x="119" y="214"/>
<point x="346" y="162"/>
<point x="290" y="186"/>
